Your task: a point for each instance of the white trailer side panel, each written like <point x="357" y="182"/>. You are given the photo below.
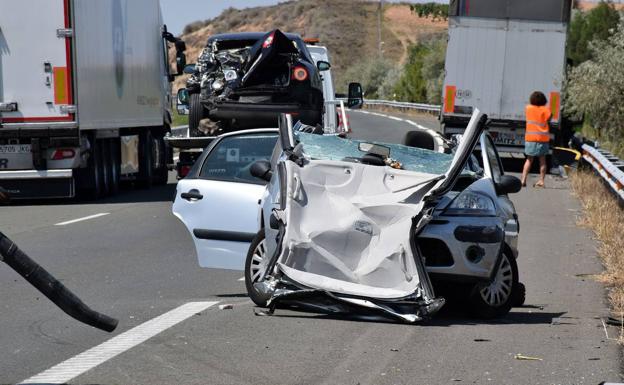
<point x="34" y="69"/>
<point x="534" y="61"/>
<point x="495" y="64"/>
<point x="119" y="63"/>
<point x="471" y="67"/>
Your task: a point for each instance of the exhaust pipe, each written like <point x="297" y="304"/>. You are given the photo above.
<point x="51" y="287"/>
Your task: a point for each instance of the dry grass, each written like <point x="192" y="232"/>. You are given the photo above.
<point x="605" y="217"/>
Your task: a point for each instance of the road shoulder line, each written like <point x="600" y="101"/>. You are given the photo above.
<point x="81" y="219"/>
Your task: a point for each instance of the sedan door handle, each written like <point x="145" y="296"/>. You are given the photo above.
<point x="192" y="194"/>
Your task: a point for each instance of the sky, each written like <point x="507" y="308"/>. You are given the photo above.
<point x="178" y="13"/>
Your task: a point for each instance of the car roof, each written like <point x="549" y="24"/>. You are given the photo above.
<point x="246" y="36"/>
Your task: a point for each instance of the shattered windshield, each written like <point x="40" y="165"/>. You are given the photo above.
<point x="411" y="158"/>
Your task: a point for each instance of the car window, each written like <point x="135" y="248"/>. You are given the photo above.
<point x="493" y="159"/>
<point x="231" y="159"/>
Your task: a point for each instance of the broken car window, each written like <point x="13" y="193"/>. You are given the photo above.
<point x="231" y="159"/>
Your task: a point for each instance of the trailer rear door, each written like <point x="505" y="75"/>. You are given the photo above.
<point x="35" y="64"/>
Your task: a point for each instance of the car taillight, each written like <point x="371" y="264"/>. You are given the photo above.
<point x="183" y="171"/>
<point x="300" y="73"/>
<point x="268" y="41"/>
<point x="63" y="153"/>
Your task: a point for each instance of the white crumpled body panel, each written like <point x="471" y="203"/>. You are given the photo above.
<point x="348" y="228"/>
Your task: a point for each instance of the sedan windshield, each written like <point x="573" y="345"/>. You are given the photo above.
<point x="411" y="158"/>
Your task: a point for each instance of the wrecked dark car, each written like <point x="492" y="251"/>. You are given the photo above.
<point x="245" y="80"/>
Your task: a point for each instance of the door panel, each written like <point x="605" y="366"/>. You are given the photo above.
<point x="222" y="218"/>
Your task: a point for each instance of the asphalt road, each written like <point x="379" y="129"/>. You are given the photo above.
<point x="137" y="262"/>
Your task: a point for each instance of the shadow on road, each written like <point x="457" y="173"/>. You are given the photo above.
<point x="448" y="316"/>
<point x="127" y="194"/>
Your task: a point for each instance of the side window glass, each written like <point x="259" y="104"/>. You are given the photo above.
<point x="493" y="159"/>
<point x="231" y="159"/>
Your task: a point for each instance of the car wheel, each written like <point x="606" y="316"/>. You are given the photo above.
<point x="256" y="254"/>
<point x="519" y="295"/>
<point x="419" y="139"/>
<point x="196" y="113"/>
<point x="496" y="299"/>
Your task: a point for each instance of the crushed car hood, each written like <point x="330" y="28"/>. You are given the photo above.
<point x="348" y="228"/>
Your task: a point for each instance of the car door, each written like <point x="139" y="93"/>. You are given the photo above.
<point x="218" y="200"/>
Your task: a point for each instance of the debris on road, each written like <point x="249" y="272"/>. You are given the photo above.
<point x="226" y="306"/>
<point x="527" y="358"/>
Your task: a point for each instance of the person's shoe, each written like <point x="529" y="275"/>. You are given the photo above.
<point x="539" y="185"/>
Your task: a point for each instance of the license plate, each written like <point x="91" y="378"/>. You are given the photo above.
<point x="507" y="138"/>
<point x="15" y="149"/>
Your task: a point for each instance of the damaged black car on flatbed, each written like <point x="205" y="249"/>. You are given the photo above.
<point x="245" y="80"/>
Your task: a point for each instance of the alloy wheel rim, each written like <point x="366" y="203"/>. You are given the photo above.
<point x="499" y="291"/>
<point x="256" y="260"/>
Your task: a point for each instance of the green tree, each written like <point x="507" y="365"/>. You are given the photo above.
<point x="412" y="86"/>
<point x="594" y="89"/>
<point x="435" y="10"/>
<point x="596" y="24"/>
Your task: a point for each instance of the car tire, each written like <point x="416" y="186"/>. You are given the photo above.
<point x="196" y="114"/>
<point x="419" y="139"/>
<point x="495" y="300"/>
<point x="257" y="252"/>
<point x="519" y="295"/>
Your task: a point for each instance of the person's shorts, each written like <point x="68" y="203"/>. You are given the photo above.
<point x="536" y="148"/>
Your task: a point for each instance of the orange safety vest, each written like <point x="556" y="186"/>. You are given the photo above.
<point x="537" y="129"/>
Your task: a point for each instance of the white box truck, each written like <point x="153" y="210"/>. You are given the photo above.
<point x="499" y="52"/>
<point x="84" y="96"/>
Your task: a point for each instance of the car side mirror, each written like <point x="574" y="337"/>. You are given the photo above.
<point x="183" y="101"/>
<point x="190" y="69"/>
<point x="261" y="169"/>
<point x="508" y="184"/>
<point x="323" y="65"/>
<point x="356" y="96"/>
<point x="180" y="62"/>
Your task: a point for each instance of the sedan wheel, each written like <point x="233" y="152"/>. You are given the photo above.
<point x="499" y="291"/>
<point x="496" y="299"/>
<point x="253" y="268"/>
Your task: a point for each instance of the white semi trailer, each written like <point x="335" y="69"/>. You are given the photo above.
<point x="499" y="52"/>
<point x="84" y="96"/>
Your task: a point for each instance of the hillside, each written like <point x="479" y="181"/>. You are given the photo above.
<point x="347" y="27"/>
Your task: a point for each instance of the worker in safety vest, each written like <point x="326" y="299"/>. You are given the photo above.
<point x="537" y="136"/>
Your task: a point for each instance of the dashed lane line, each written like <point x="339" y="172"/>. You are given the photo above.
<point x="77" y="365"/>
<point x="81" y="219"/>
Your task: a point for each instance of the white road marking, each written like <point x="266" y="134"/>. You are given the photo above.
<point x="81" y="219"/>
<point x="395" y="118"/>
<point x="77" y="365"/>
<point x="241" y="279"/>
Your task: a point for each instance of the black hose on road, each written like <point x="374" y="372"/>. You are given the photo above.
<point x="51" y="287"/>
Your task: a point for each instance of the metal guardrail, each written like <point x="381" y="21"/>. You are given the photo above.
<point x="406" y="105"/>
<point x="610" y="167"/>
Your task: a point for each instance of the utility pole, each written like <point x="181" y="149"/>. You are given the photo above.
<point x="379" y="21"/>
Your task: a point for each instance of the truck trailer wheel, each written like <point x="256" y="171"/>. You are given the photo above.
<point x="90" y="178"/>
<point x="196" y="113"/>
<point x="161" y="172"/>
<point x="114" y="151"/>
<point x="146" y="161"/>
<point x="107" y="166"/>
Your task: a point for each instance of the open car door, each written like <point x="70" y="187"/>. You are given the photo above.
<point x="218" y="200"/>
<point x="349" y="227"/>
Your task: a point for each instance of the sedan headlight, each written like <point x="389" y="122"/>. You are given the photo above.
<point x="471" y="203"/>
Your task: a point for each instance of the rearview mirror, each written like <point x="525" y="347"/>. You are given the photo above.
<point x="323" y="65"/>
<point x="180" y="62"/>
<point x="182" y="106"/>
<point x="377" y="149"/>
<point x="261" y="169"/>
<point x="356" y="96"/>
<point x="508" y="184"/>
